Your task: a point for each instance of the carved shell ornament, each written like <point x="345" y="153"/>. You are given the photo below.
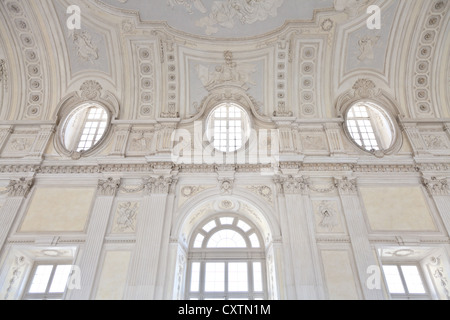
<point x="90" y="90"/>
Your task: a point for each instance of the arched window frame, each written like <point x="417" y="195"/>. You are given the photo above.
<point x="244" y="129"/>
<point x="200" y="256"/>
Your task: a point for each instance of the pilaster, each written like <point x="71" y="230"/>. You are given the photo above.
<point x="362" y="250"/>
<point x="91" y="252"/>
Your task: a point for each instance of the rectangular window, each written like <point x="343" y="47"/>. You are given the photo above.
<point x="48" y="281"/>
<point x="405" y="282"/>
<point x="215" y="277"/>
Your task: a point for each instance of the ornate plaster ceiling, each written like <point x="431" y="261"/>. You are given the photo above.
<point x="157" y="58"/>
<point x="224" y="18"/>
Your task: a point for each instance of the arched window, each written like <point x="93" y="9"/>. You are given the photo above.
<point x="85" y="127"/>
<point x="370" y="127"/>
<point x="226" y="261"/>
<point x="228" y="127"/>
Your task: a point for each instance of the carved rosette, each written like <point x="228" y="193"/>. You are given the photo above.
<point x="108" y="187"/>
<point x="346" y="186"/>
<point x="19" y="188"/>
<point x="436" y="187"/>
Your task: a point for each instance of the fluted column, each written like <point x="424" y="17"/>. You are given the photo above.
<point x="439" y="191"/>
<point x="359" y="237"/>
<point x="149" y="233"/>
<point x="308" y="283"/>
<point x="91" y="252"/>
<point x="17" y="191"/>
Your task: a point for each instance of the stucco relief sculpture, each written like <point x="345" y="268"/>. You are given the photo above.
<point x="126" y="217"/>
<point x="228" y="73"/>
<point x="226" y="13"/>
<point x="86" y="49"/>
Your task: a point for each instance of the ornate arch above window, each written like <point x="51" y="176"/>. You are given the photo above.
<point x="370" y="119"/>
<point x="227" y="231"/>
<point x="84" y="121"/>
<point x="226" y="260"/>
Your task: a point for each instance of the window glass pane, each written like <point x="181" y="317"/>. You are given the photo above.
<point x="231" y="120"/>
<point x="237" y="277"/>
<point x="226" y="239"/>
<point x="226" y="221"/>
<point x="254" y="240"/>
<point x="215" y="277"/>
<point x="198" y="241"/>
<point x="245" y="227"/>
<point x="60" y="278"/>
<point x="393" y="279"/>
<point x="40" y="279"/>
<point x="257" y="277"/>
<point x="209" y="226"/>
<point x="195" y="277"/>
<point x="413" y="279"/>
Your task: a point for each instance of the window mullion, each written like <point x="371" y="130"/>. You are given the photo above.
<point x="50" y="279"/>
<point x="227" y="294"/>
<point x="81" y="130"/>
<point x="405" y="286"/>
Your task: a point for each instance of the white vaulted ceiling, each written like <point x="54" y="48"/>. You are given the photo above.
<point x="153" y="56"/>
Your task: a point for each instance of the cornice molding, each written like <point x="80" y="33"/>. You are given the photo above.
<point x="61" y="168"/>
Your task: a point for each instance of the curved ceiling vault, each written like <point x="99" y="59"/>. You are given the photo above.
<point x="154" y="55"/>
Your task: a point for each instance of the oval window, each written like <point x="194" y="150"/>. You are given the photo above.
<point x="85" y="127"/>
<point x="370" y="127"/>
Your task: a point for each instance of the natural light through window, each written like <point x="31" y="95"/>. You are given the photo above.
<point x="404" y="282"/>
<point x="228" y="127"/>
<point x="85" y="127"/>
<point x="48" y="282"/>
<point x="226" y="261"/>
<point x="370" y="127"/>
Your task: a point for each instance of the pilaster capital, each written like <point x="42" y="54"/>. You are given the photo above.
<point x="436" y="187"/>
<point x="19" y="188"/>
<point x="108" y="187"/>
<point x="159" y="185"/>
<point x="346" y="186"/>
<point x="292" y="185"/>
